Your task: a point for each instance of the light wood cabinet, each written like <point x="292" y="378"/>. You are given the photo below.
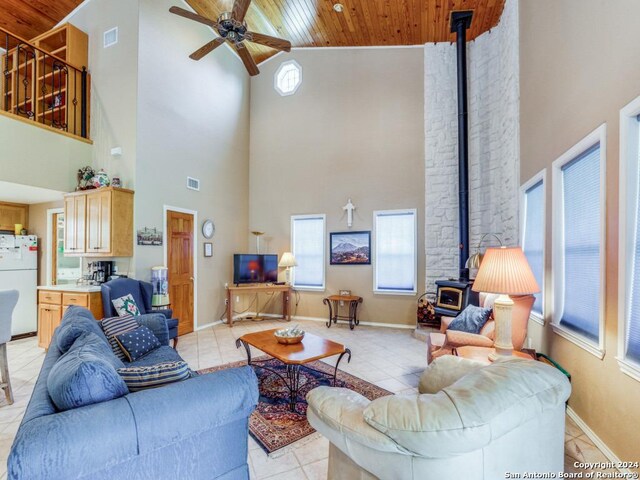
<point x="99" y="223"/>
<point x="53" y="304"/>
<point x="49" y="317"/>
<point x="12" y="213"/>
<point x="75" y="211"/>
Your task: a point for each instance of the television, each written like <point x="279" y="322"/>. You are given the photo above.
<point x="252" y="268"/>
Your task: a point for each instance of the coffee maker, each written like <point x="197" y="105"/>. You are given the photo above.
<point x="101" y="271"/>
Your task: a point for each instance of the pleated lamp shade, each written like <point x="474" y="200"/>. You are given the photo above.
<point x="287" y="260"/>
<point x="505" y="270"/>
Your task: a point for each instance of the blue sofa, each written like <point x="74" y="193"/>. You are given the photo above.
<point x="141" y="293"/>
<point x="193" y="429"/>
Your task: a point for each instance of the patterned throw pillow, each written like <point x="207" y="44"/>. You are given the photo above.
<point x="471" y="320"/>
<point x="126" y="306"/>
<point x="115" y="326"/>
<point x="137" y="343"/>
<point x="139" y="378"/>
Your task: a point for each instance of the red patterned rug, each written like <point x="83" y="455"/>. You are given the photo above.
<point x="273" y="425"/>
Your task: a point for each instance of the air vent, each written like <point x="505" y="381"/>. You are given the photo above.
<point x="110" y="37"/>
<point x="193" y="184"/>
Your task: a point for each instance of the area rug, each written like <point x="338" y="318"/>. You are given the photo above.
<point x="273" y="425"/>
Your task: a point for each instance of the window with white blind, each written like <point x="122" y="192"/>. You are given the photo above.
<point x="307" y="242"/>
<point x="578" y="252"/>
<point x="532" y="198"/>
<point x="395" y="251"/>
<point x="629" y="251"/>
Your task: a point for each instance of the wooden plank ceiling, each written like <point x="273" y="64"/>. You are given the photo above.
<point x="29" y="18"/>
<point x="314" y="23"/>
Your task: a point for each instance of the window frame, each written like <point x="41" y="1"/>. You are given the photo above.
<point x="376" y="290"/>
<point x="599" y="135"/>
<point x="541" y="176"/>
<point x="628" y="180"/>
<point x="277" y="72"/>
<point x="324" y="252"/>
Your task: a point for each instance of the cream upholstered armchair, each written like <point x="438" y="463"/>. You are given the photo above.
<point x="445" y="341"/>
<point x="470" y="421"/>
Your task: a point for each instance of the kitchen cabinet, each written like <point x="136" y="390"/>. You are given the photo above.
<point x="12" y="213"/>
<point x="52" y="305"/>
<point x="99" y="223"/>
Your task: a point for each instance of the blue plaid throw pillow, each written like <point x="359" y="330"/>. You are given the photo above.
<point x="116" y="326"/>
<point x="137" y="343"/>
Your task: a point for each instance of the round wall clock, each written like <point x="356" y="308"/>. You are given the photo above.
<point x="208" y="228"/>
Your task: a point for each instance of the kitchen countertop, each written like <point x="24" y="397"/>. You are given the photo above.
<point x="71" y="288"/>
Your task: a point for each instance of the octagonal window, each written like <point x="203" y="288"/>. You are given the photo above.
<point x="288" y="78"/>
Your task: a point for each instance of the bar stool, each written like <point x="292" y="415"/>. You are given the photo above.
<point x="8" y="301"/>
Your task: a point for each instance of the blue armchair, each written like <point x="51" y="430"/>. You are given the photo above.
<point x="141" y="293"/>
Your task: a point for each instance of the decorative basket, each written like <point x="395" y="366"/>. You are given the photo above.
<point x="289" y="340"/>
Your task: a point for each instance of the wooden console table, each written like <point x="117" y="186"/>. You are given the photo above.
<point x="232" y="290"/>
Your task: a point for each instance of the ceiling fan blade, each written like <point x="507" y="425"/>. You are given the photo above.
<point x="207" y="48"/>
<point x="240" y="8"/>
<point x="247" y="59"/>
<point x="193" y="16"/>
<point x="268" y="41"/>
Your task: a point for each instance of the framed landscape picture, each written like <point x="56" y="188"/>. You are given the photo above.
<point x="350" y="248"/>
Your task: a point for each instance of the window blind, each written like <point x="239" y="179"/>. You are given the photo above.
<point x="533" y="238"/>
<point x="308" y="248"/>
<point x="395" y="260"/>
<point x="581" y="248"/>
<point x="633" y="312"/>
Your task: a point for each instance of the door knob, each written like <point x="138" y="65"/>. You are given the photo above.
<point x="191" y="278"/>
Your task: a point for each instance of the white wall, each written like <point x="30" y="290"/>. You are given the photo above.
<point x="114" y="83"/>
<point x="493" y="82"/>
<point x="354" y="129"/>
<point x="192" y="120"/>
<point x="38" y="157"/>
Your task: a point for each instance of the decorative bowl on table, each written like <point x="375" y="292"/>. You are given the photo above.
<point x="289" y="336"/>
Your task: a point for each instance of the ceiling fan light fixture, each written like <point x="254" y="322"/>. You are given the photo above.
<point x="338" y="7"/>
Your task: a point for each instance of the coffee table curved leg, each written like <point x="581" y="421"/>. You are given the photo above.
<point x="335" y="372"/>
<point x="247" y="349"/>
<point x="293" y="374"/>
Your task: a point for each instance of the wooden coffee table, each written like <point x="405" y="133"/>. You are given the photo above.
<point x="310" y="349"/>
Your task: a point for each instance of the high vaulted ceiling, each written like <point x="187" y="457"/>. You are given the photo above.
<point x="314" y="23"/>
<point x="29" y="18"/>
<point x="306" y="23"/>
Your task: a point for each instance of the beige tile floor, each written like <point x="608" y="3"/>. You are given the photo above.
<point x="390" y="358"/>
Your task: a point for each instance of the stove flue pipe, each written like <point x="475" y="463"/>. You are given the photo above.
<point x="460" y="22"/>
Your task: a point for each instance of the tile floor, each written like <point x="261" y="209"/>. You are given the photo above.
<point x="390" y="358"/>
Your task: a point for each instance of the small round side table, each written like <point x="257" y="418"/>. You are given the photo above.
<point x="333" y="302"/>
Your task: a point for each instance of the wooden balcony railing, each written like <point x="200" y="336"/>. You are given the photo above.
<point x="40" y="86"/>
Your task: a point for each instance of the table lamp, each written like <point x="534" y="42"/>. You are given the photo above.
<point x="287" y="261"/>
<point x="505" y="271"/>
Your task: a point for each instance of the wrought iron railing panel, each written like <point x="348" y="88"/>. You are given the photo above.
<point x="42" y="87"/>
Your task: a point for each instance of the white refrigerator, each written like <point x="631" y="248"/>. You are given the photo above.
<point x="19" y="271"/>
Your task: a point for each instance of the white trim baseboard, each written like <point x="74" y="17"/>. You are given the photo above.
<point x="324" y="320"/>
<point x="208" y="325"/>
<point x="597" y="441"/>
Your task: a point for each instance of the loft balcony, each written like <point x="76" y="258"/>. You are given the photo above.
<point x="45" y="81"/>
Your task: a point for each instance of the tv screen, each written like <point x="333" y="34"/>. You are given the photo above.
<point x="251" y="268"/>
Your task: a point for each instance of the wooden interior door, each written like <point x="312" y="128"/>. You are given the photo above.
<point x="180" y="251"/>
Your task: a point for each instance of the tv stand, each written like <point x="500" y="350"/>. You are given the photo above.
<point x="234" y="290"/>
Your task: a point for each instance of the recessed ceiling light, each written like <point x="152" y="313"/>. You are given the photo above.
<point x="338" y="7"/>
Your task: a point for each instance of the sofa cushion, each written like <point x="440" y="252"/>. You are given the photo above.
<point x="472" y="412"/>
<point x="115" y="326"/>
<point x="76" y="321"/>
<point x="140" y="378"/>
<point x="86" y="374"/>
<point x="126" y="305"/>
<point x="444" y="371"/>
<point x="160" y="355"/>
<point x="137" y="343"/>
<point x="471" y="320"/>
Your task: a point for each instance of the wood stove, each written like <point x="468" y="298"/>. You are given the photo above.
<point x="453" y="296"/>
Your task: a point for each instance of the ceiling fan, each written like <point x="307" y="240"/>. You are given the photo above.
<point x="232" y="28"/>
